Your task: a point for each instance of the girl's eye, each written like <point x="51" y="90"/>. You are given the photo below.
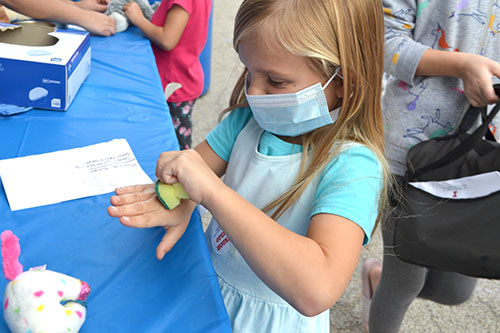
<point x="276" y="83"/>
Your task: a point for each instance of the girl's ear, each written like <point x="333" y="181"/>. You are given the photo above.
<point x="339" y="83"/>
<point x="339" y="88"/>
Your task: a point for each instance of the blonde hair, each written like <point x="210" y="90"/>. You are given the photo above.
<point x="328" y="34"/>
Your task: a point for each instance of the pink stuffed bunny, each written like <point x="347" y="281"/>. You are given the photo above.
<point x="40" y="300"/>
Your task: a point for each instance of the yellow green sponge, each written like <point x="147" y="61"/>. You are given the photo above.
<point x="170" y="195"/>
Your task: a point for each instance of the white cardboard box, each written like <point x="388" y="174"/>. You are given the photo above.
<point x="48" y="70"/>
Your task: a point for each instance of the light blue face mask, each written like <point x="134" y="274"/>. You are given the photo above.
<point x="293" y="114"/>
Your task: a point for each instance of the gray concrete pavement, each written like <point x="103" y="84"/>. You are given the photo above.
<point x="480" y="314"/>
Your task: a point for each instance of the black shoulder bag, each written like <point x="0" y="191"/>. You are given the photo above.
<point x="450" y="210"/>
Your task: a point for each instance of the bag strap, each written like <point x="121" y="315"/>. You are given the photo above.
<point x="472" y="113"/>
<point x="468" y="143"/>
<point x="489" y="135"/>
<point x="470" y="118"/>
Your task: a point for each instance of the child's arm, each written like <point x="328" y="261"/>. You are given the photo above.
<point x="476" y="72"/>
<point x="406" y="58"/>
<point x="165" y="37"/>
<point x="64" y="12"/>
<point x="309" y="272"/>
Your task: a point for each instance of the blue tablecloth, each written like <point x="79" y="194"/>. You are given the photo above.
<point x="131" y="290"/>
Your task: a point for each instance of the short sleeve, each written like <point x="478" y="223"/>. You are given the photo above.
<point x="350" y="187"/>
<point x="221" y="139"/>
<point x="402" y="51"/>
<point x="187" y="5"/>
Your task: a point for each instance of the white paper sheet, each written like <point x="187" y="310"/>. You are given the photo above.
<point x="44" y="179"/>
<point x="463" y="188"/>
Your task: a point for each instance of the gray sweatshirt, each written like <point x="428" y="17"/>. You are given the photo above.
<point x="417" y="108"/>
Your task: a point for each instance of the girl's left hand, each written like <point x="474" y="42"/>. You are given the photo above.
<point x="133" y="11"/>
<point x="190" y="169"/>
<point x="138" y="207"/>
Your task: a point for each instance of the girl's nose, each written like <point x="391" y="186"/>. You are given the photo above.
<point x="253" y="89"/>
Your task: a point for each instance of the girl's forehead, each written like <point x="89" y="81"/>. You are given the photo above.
<point x="263" y="42"/>
<point x="259" y="56"/>
<point x="258" y="49"/>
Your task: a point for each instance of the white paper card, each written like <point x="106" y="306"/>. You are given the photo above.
<point x="476" y="186"/>
<point x="44" y="179"/>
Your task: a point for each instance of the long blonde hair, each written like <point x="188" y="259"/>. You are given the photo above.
<point x="328" y="34"/>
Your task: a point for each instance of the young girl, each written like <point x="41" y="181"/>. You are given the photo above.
<point x="441" y="60"/>
<point x="178" y="32"/>
<point x="302" y="163"/>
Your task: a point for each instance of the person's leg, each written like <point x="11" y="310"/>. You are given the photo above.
<point x="181" y="117"/>
<point x="370" y="277"/>
<point x="399" y="285"/>
<point x="401" y="282"/>
<point x="447" y="287"/>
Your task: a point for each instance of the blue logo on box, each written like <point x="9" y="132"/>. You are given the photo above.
<point x="38" y="53"/>
<point x="56" y="59"/>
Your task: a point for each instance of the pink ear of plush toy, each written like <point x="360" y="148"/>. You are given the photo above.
<point x="10" y="254"/>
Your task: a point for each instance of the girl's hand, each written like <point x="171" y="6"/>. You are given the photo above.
<point x="476" y="73"/>
<point x="98" y="23"/>
<point x="138" y="207"/>
<point x="133" y="12"/>
<point x="190" y="169"/>
<point x="97" y="5"/>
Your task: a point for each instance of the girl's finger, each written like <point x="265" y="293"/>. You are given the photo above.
<point x="165" y="159"/>
<point x="489" y="94"/>
<point x="136" y="208"/>
<point x="172" y="235"/>
<point x="130" y="198"/>
<point x="134" y="188"/>
<point x="146" y="220"/>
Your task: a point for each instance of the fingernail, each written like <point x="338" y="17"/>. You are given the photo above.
<point x="125" y="219"/>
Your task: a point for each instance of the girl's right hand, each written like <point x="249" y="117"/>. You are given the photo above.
<point x="476" y="73"/>
<point x="190" y="169"/>
<point x="138" y="207"/>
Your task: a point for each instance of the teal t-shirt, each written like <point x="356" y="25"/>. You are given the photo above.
<point x="349" y="186"/>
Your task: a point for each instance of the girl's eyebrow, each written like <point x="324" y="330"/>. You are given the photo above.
<point x="272" y="72"/>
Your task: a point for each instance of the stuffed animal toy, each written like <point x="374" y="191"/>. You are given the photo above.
<point x="40" y="300"/>
<point x="115" y="11"/>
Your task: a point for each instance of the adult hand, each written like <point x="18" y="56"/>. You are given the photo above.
<point x="98" y="23"/>
<point x="133" y="12"/>
<point x="96" y="5"/>
<point x="138" y="207"/>
<point x="190" y="169"/>
<point x="477" y="73"/>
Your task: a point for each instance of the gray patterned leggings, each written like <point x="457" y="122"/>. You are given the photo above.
<point x="402" y="282"/>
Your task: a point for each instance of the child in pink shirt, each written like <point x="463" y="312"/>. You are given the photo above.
<point x="178" y="32"/>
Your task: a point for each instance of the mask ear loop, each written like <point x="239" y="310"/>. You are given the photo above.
<point x="335" y="112"/>
<point x="336" y="73"/>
